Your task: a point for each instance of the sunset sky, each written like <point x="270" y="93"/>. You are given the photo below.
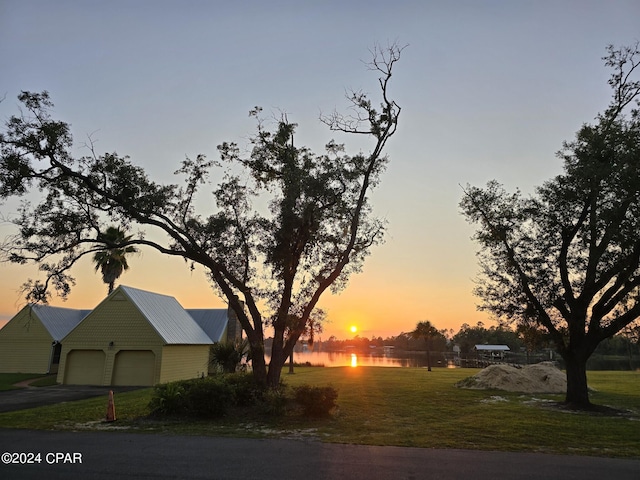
<point x="488" y="90"/>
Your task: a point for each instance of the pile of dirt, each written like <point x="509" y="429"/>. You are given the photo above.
<point x="539" y="378"/>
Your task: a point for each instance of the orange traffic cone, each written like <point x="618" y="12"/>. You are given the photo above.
<point x="111" y="408"/>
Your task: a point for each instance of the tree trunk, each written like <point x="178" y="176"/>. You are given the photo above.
<point x="291" y="363"/>
<point x="278" y="359"/>
<point x="275" y="369"/>
<point x="577" y="396"/>
<point x="428" y="357"/>
<point x="258" y="365"/>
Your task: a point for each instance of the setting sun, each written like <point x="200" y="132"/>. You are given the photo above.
<point x="353" y="329"/>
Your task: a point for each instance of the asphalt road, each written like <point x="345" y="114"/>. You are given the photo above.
<point x="109" y="455"/>
<point x="102" y="455"/>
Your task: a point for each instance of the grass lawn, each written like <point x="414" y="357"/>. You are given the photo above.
<point x="398" y="406"/>
<point x="45" y="381"/>
<point x="7" y="380"/>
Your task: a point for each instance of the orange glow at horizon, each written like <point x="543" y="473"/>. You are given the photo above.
<point x="371" y="306"/>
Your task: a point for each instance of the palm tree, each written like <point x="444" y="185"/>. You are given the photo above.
<point x="228" y="355"/>
<point x="427" y="331"/>
<point x="112" y="261"/>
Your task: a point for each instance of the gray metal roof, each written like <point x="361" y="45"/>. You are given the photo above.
<point x="167" y="317"/>
<point x="57" y="320"/>
<point x="212" y="321"/>
<point x="492" y="347"/>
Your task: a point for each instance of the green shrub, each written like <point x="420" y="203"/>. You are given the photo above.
<point x="246" y="391"/>
<point x="274" y="401"/>
<point x="168" y="399"/>
<point x="228" y="355"/>
<point x="212" y="396"/>
<point x="316" y="401"/>
<point x="209" y="397"/>
<point x="202" y="397"/>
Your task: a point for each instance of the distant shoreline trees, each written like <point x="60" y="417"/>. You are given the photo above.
<point x="621" y="350"/>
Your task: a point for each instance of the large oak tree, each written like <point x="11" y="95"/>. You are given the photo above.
<point x="568" y="257"/>
<point x="271" y="264"/>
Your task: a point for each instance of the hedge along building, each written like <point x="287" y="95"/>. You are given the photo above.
<point x="136" y="337"/>
<point x="31" y="341"/>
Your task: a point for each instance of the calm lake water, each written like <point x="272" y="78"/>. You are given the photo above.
<point x="346" y="359"/>
<point x="378" y="359"/>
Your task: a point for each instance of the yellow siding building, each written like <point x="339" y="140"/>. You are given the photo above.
<point x="135" y="337"/>
<point x="30" y="341"/>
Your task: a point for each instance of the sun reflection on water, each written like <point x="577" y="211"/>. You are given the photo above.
<point x="364" y="359"/>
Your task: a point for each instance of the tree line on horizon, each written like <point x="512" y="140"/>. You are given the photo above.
<point x="467" y="337"/>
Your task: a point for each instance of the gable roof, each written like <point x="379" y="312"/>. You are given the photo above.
<point x="166" y="316"/>
<point x="213" y="321"/>
<point x="57" y="320"/>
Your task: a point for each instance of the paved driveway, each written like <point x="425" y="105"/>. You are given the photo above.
<point x="37" y="396"/>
